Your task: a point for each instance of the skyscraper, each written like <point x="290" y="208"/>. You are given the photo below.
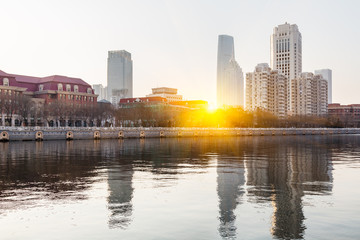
<point x="230" y="80"/>
<point x="119" y="76"/>
<point x="286" y="52"/>
<point x="327" y="75"/>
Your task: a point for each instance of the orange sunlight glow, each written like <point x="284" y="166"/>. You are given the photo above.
<point x="212" y="107"/>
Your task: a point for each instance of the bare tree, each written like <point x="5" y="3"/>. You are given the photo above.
<point x="25" y="109"/>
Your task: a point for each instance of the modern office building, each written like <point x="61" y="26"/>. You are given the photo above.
<point x="119" y="76"/>
<point x="230" y="79"/>
<point x="309" y="95"/>
<point x="100" y="91"/>
<point x="268" y="90"/>
<point x="170" y="94"/>
<point x="327" y="75"/>
<point x="286" y="51"/>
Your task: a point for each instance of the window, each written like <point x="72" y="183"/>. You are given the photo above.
<point x="41" y="87"/>
<point x="76" y="88"/>
<point x="89" y="91"/>
<point x="6" y="82"/>
<point x="60" y="87"/>
<point x="68" y="87"/>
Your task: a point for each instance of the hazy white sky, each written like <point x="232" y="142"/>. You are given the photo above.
<point x="174" y="43"/>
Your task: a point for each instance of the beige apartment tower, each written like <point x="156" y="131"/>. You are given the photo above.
<point x="309" y="95"/>
<point x="286" y="52"/>
<point x="268" y="90"/>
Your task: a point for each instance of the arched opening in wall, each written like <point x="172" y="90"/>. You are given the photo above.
<point x="51" y="123"/>
<point x="17" y="123"/>
<point x="78" y="123"/>
<point x="8" y="122"/>
<point x="62" y="123"/>
<point x="70" y="123"/>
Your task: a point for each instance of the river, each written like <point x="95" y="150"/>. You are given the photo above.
<point x="270" y="187"/>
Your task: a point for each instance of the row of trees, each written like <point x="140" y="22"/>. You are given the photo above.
<point x="23" y="110"/>
<point x="167" y="116"/>
<point x="28" y="112"/>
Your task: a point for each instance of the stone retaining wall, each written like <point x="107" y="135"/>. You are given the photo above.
<point x="42" y="134"/>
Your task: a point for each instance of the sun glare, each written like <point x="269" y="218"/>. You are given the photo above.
<point x="212" y="107"/>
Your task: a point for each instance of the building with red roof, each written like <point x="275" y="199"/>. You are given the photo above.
<point x="148" y="101"/>
<point x="45" y="90"/>
<point x="348" y="115"/>
<point x="67" y="89"/>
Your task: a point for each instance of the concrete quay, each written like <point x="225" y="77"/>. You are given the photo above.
<point x="70" y="133"/>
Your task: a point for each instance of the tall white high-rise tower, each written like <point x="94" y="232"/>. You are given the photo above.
<point x="327" y="75"/>
<point x="230" y="79"/>
<point x="119" y="76"/>
<point x="286" y="52"/>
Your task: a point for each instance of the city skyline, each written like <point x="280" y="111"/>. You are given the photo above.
<point x="170" y="49"/>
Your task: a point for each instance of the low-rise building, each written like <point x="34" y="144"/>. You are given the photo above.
<point x="190" y="104"/>
<point x="169" y="93"/>
<point x="148" y="101"/>
<point x="73" y="92"/>
<point x="346" y="115"/>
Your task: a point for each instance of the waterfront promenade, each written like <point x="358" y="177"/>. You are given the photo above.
<point x="70" y="133"/>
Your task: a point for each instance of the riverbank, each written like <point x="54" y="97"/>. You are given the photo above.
<point x="43" y="133"/>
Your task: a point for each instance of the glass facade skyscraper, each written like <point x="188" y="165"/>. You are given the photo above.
<point x="119" y="76"/>
<point x="230" y="79"/>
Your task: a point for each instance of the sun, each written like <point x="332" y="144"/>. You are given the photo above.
<point x="212" y="107"/>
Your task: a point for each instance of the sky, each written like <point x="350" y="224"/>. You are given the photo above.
<point x="174" y="43"/>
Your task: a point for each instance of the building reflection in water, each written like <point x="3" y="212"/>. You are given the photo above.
<point x="120" y="195"/>
<point x="164" y="159"/>
<point x="276" y="170"/>
<point x="31" y="172"/>
<point x="230" y="182"/>
<point x="283" y="174"/>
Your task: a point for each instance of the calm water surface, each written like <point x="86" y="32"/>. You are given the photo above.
<point x="300" y="187"/>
